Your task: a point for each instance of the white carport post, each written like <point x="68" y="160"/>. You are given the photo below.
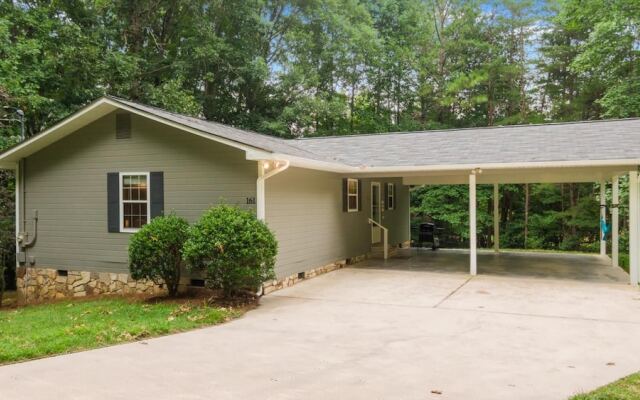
<point x="615" y="217"/>
<point x="266" y="169"/>
<point x="633" y="227"/>
<point x="496" y="218"/>
<point x="603" y="217"/>
<point x="473" y="256"/>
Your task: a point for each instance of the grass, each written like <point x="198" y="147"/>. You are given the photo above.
<point x="623" y="260"/>
<point x="63" y="327"/>
<point x="627" y="388"/>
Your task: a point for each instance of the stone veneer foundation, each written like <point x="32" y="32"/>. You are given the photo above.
<point x="37" y="284"/>
<point x="291" y="280"/>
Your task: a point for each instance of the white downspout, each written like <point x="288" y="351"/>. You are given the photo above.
<point x="265" y="172"/>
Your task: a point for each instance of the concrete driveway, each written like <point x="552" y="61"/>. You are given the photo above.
<point x="372" y="334"/>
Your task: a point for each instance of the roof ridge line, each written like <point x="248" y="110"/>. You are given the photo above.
<point x="487" y="128"/>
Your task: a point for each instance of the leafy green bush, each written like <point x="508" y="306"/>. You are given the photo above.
<point x="155" y="251"/>
<point x="235" y="249"/>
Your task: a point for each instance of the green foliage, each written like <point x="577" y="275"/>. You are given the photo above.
<point x="155" y="251"/>
<point x="235" y="250"/>
<point x="63" y="327"/>
<point x="591" y="58"/>
<point x="560" y="216"/>
<point x="172" y="95"/>
<point x="627" y="388"/>
<point x="7" y="232"/>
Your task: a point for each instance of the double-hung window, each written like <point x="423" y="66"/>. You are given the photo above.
<point x="391" y="196"/>
<point x="352" y="195"/>
<point x="134" y="200"/>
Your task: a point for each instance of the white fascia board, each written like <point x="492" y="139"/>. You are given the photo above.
<point x="493" y="166"/>
<point x="90" y="113"/>
<point x="301" y="162"/>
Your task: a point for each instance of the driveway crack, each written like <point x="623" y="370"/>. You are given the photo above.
<point x="454" y="291"/>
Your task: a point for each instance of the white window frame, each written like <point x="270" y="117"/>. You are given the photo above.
<point x="356" y="195"/>
<point x="391" y="195"/>
<point x="121" y="200"/>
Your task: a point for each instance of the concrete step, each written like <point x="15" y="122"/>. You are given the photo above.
<point x="377" y="251"/>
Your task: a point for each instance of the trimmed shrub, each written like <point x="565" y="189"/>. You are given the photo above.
<point x="235" y="250"/>
<point x="155" y="251"/>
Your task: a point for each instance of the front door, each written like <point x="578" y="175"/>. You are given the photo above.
<point x="376" y="212"/>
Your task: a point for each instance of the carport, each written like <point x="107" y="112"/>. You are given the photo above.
<point x="605" y="175"/>
<point x="522" y="264"/>
<point x="590" y="151"/>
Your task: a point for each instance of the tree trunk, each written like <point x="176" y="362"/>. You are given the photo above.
<point x="352" y="107"/>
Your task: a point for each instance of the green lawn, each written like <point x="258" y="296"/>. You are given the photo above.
<point x="624" y="389"/>
<point x="47" y="329"/>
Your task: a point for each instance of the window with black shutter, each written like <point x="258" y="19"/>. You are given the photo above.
<point x="351" y="189"/>
<point x="133" y="199"/>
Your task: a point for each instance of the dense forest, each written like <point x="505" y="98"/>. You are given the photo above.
<point x="333" y="67"/>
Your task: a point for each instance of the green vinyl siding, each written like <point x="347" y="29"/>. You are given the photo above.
<point x="304" y="208"/>
<point x="397" y="220"/>
<point x="66" y="183"/>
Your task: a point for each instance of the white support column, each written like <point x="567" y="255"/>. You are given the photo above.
<point x="473" y="256"/>
<point x="603" y="217"/>
<point x="633" y="227"/>
<point x="266" y="169"/>
<point x="615" y="216"/>
<point x="496" y="218"/>
<point x="260" y="192"/>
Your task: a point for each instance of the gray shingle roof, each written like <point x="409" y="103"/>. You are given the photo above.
<point x="248" y="138"/>
<point x="575" y="141"/>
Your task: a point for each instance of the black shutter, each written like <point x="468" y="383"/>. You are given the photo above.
<point x="385" y="202"/>
<point x="157" y="193"/>
<point x="359" y="195"/>
<point x="113" y="202"/>
<point x="345" y="195"/>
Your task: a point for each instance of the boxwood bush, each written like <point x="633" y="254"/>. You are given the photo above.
<point x="155" y="251"/>
<point x="235" y="250"/>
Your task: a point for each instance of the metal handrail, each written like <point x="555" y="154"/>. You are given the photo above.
<point x="385" y="237"/>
